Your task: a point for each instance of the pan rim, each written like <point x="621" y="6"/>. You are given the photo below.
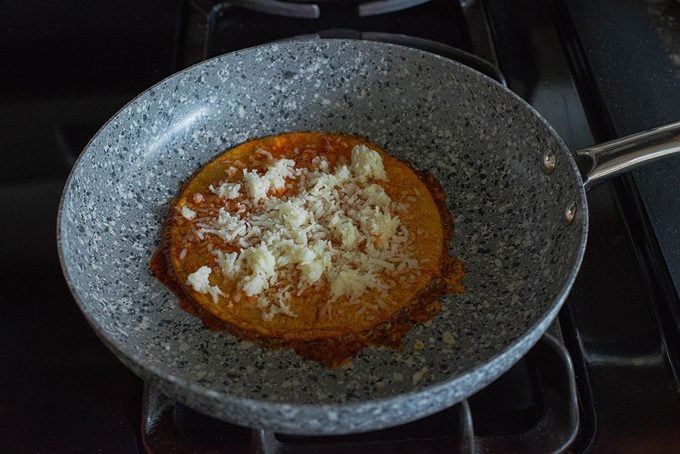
<point x="520" y="345"/>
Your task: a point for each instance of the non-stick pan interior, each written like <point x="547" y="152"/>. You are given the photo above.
<point x="483" y="144"/>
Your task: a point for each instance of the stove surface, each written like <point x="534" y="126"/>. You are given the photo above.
<point x="69" y="68"/>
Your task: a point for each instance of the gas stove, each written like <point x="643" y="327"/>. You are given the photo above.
<point x="604" y="377"/>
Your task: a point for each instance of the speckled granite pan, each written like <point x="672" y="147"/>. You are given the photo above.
<point x="483" y="143"/>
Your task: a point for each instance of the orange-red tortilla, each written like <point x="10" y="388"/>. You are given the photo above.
<point x="328" y="338"/>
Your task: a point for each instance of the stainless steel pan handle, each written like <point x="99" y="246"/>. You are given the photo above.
<point x="602" y="162"/>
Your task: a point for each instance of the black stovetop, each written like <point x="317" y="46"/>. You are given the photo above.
<point x="67" y="68"/>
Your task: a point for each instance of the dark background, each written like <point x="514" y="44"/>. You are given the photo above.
<point x="65" y="68"/>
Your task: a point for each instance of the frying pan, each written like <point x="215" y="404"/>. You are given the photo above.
<point x="515" y="191"/>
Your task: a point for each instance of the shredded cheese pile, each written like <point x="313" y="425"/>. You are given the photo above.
<point x="300" y="228"/>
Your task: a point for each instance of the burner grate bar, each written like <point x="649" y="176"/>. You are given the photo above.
<point x="278" y="8"/>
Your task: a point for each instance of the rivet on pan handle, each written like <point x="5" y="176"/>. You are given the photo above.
<point x="600" y="163"/>
<point x="549" y="162"/>
<point x="570" y="213"/>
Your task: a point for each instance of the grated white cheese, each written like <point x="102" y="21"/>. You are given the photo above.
<point x="367" y="163"/>
<point x="274" y="178"/>
<point x="374" y="194"/>
<point x="227" y="262"/>
<point x="264" y="153"/>
<point x="262" y="265"/>
<point x="339" y="229"/>
<point x="215" y="292"/>
<point x="227" y="190"/>
<point x="346" y="231"/>
<point x="256" y="185"/>
<point x="351" y="283"/>
<point x="313" y="270"/>
<point x="254" y="284"/>
<point x="376" y="222"/>
<point x="261" y="260"/>
<point x="199" y="279"/>
<point x="188" y="213"/>
<point x="293" y="214"/>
